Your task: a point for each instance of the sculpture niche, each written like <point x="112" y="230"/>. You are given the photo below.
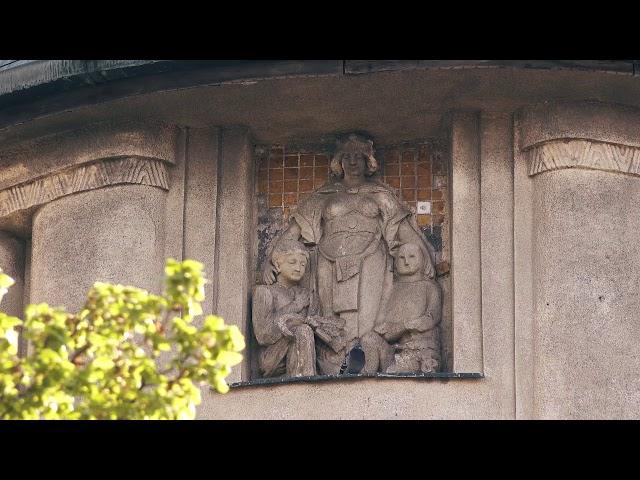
<point x="353" y="226"/>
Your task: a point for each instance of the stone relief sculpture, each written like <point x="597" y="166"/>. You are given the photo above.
<point x="411" y="318"/>
<point x="279" y="313"/>
<point x="351" y="228"/>
<point x="285" y="319"/>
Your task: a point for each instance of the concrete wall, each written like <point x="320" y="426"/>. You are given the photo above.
<point x="543" y="259"/>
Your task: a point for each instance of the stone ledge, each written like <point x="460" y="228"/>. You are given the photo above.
<point x="329" y="378"/>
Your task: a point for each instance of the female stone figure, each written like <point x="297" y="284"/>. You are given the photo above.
<point x="354" y="222"/>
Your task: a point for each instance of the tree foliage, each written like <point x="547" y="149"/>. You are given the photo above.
<point x="127" y="354"/>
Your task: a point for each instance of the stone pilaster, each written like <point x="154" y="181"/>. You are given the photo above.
<point x="465" y="249"/>
<point x="113" y="234"/>
<point x="585" y="260"/>
<point x="234" y="235"/>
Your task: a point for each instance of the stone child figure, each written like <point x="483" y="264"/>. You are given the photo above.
<point x="285" y="319"/>
<point x="411" y="320"/>
<point x="280" y="313"/>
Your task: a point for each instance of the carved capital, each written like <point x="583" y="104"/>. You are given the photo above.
<point x="574" y="153"/>
<point x="107" y="172"/>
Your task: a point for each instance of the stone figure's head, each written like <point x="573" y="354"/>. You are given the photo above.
<point x="290" y="258"/>
<point x="410" y="259"/>
<point x="354" y="157"/>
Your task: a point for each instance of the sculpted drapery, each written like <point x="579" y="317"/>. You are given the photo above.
<point x="352" y="226"/>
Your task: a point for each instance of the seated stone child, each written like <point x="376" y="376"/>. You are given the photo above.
<point x="283" y="321"/>
<point x="411" y="319"/>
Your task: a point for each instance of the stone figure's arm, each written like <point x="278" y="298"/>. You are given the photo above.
<point x="268" y="270"/>
<point x="433" y="311"/>
<point x="269" y="323"/>
<point x="299" y="303"/>
<point x="391" y="330"/>
<point x="264" y="316"/>
<point x="421" y="323"/>
<point x="285" y="322"/>
<point x="329" y="329"/>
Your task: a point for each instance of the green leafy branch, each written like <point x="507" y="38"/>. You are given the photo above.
<point x="127" y="354"/>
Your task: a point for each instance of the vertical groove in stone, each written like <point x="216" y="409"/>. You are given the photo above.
<point x="216" y="240"/>
<point x="174" y="245"/>
<point x="523" y="282"/>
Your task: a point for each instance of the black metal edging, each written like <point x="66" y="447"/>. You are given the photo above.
<point x="330" y="378"/>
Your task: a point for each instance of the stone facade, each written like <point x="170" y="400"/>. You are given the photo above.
<point x="530" y="171"/>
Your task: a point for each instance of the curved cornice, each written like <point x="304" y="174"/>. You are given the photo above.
<point x="82" y="178"/>
<point x="590" y="135"/>
<point x="30" y="160"/>
<point x="589" y="154"/>
<point x="95" y="156"/>
<point x="602" y="122"/>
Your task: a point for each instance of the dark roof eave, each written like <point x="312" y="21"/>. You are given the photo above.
<point x="22" y="75"/>
<point x="32" y="88"/>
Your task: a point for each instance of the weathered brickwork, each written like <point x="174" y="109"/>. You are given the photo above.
<point x="418" y="173"/>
